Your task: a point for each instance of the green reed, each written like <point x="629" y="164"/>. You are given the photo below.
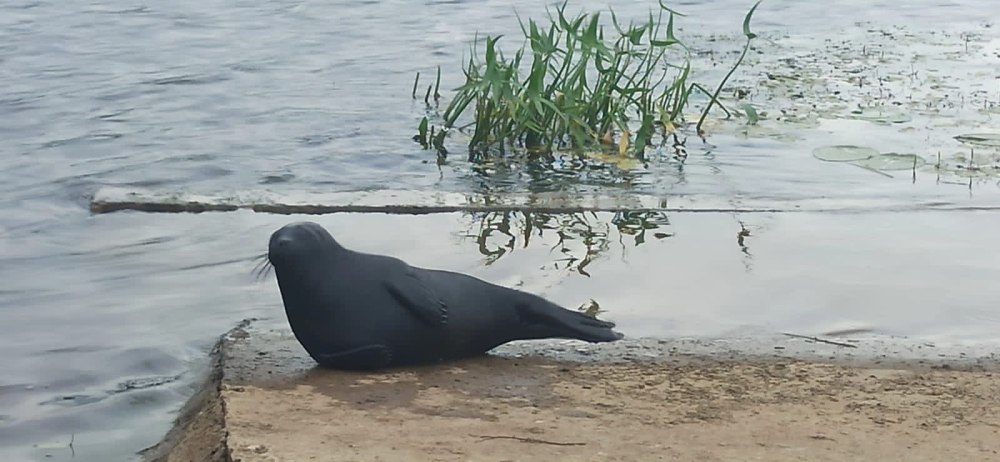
<point x="571" y="86"/>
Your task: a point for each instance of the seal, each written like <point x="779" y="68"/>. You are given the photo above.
<point x="358" y="311"/>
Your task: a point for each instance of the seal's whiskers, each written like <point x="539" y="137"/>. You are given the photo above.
<point x="263" y="267"/>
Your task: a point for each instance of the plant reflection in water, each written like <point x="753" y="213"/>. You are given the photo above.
<point x="583" y="237"/>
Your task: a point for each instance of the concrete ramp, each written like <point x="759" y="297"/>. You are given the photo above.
<point x="785" y="398"/>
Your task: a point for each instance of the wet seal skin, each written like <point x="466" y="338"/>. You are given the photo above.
<point x="358" y="311"/>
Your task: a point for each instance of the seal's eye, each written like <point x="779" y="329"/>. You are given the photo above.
<point x="282" y="246"/>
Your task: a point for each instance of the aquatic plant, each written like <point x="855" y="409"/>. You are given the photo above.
<point x="582" y="89"/>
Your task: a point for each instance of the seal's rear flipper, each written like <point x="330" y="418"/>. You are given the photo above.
<point x="560" y="322"/>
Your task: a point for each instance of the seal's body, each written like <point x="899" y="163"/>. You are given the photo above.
<point x="352" y="310"/>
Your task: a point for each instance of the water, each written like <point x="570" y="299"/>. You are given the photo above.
<point x="105" y="320"/>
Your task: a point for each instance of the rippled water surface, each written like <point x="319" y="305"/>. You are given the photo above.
<point x="105" y="320"/>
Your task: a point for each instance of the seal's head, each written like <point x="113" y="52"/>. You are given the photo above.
<point x="302" y="255"/>
<point x="299" y="242"/>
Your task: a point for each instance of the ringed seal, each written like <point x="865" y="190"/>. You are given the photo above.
<point x="359" y="311"/>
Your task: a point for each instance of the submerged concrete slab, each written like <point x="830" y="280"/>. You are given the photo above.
<point x="111" y="199"/>
<point x="781" y="398"/>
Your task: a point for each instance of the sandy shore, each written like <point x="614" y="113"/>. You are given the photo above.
<point x="268" y="403"/>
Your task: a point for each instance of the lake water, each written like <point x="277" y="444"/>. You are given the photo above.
<point x="105" y="321"/>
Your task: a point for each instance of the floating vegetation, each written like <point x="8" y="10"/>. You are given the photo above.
<point x="572" y="87"/>
<point x="869" y="158"/>
<point x="970" y="165"/>
<point x="844" y="153"/>
<point x="980" y="139"/>
<point x="892" y="161"/>
<point x="882" y="116"/>
<point x="962" y="165"/>
<point x="896" y="78"/>
<point x="581" y="237"/>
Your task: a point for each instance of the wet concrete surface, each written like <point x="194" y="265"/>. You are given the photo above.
<point x="260" y="356"/>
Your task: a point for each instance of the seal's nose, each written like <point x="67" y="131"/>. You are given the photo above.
<point x="283" y="241"/>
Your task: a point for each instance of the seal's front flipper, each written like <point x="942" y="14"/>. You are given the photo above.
<point x="364" y="358"/>
<point x="411" y="292"/>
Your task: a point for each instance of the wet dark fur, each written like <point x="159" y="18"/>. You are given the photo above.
<point x="352" y="310"/>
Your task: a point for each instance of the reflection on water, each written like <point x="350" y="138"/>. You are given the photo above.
<point x="636" y="223"/>
<point x="582" y="236"/>
<point x="741" y="241"/>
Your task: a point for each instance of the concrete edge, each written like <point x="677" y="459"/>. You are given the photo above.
<point x="873" y="352"/>
<point x="406" y="202"/>
<point x="209" y="393"/>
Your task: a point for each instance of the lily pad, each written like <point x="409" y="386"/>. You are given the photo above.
<point x="892" y="161"/>
<point x="881" y="116"/>
<point x="970" y="172"/>
<point x="980" y="139"/>
<point x="965" y="160"/>
<point x="844" y="153"/>
<point x="762" y="131"/>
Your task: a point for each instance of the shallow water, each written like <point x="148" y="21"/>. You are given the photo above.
<point x="106" y="320"/>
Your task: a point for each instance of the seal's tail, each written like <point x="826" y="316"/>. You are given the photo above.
<point x="561" y="322"/>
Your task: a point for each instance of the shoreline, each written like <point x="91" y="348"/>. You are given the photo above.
<point x="690" y="399"/>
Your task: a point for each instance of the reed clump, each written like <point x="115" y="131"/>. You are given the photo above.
<point x="573" y="85"/>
